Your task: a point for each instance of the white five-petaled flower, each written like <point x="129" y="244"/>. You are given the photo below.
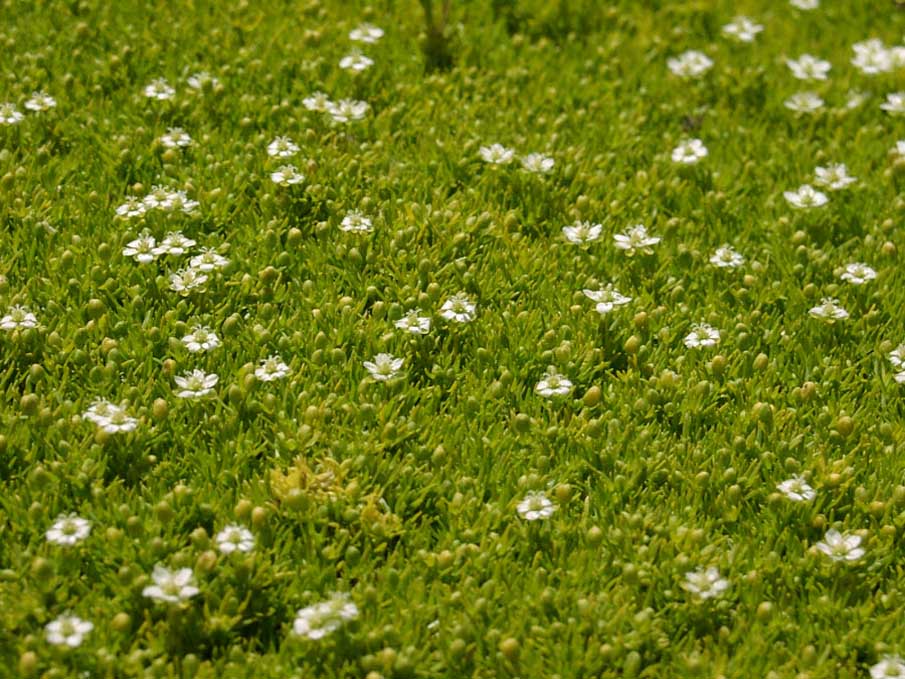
<point x="201" y="338"/>
<point x="636" y="239"/>
<point x="68" y="530"/>
<point x="133" y="207"/>
<point x="804" y="102"/>
<point x="858" y="273"/>
<point x="355" y="62"/>
<point x="366" y="33"/>
<point x="356" y="222"/>
<point x="536" y="506"/>
<point x="171" y="586"/>
<point x="110" y="418"/>
<point x="10" y="115"/>
<point x="872" y="57"/>
<point x="553" y="384"/>
<point x="894" y="104"/>
<point x="271" y="368"/>
<point x="235" y="539"/>
<point x="318" y="101"/>
<point x="458" y="308"/>
<point x="282" y="147"/>
<point x="40" y="101"/>
<point x="67" y="630"/>
<point x="175" y="138"/>
<point x="834" y="177"/>
<point x="174" y="243"/>
<point x="805" y="4"/>
<point x="537" y="163"/>
<point x="841" y="546"/>
<point x="200" y="79"/>
<point x="897" y="356"/>
<point x="889" y="667"/>
<point x="702" y="335"/>
<point x="384" y="367"/>
<point x="195" y="384"/>
<point x="142" y="248"/>
<point x="321" y="619"/>
<point x="606" y="298"/>
<point x="689" y="152"/>
<point x="705" y="583"/>
<point x="208" y="260"/>
<point x="287" y="175"/>
<point x="690" y="64"/>
<point x="805" y="196"/>
<point x="414" y="323"/>
<point x="797" y="489"/>
<point x="809" y="67"/>
<point x="582" y="232"/>
<point x="18" y="316"/>
<point x="743" y="29"/>
<point x="159" y="89"/>
<point x="186" y="280"/>
<point x="347" y="110"/>
<point x="829" y="309"/>
<point x="496" y="154"/>
<point x="726" y="257"/>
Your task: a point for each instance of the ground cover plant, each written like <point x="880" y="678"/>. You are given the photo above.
<point x="554" y="338"/>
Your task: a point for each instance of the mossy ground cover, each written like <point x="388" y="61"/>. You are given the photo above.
<point x="302" y="376"/>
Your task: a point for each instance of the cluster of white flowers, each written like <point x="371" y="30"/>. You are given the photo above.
<point x="497" y="154"/>
<point x="160" y="198"/>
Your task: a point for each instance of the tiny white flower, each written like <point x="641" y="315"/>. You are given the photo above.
<point x="636" y="239"/>
<point x="235" y="539"/>
<point x="271" y="368"/>
<point x="858" y="273"/>
<point x="355" y="62"/>
<point x="68" y="530"/>
<point x="318" y="102"/>
<point x="347" y="110"/>
<point x="797" y="489"/>
<point x="742" y="29"/>
<point x="174" y="243"/>
<point x="384" y="367"/>
<point x="200" y="79"/>
<point x="186" y="280"/>
<point x="855" y="98"/>
<point x="287" y="175"/>
<point x="159" y="89"/>
<point x="67" y="630"/>
<point x="282" y="147"/>
<point x="10" y="115"/>
<point x="201" y="338"/>
<point x="726" y="258"/>
<point x="702" y="335"/>
<point x="142" y="248"/>
<point x="175" y="138"/>
<point x="690" y="64"/>
<point x="536" y="506"/>
<point x="178" y="201"/>
<point x="829" y="309"/>
<point x="809" y="67"/>
<point x="705" y="583"/>
<point x="582" y="232"/>
<point x="841" y="546"/>
<point x="607" y="298"/>
<point x="458" y="308"/>
<point x="158" y="198"/>
<point x="171" y="586"/>
<point x="40" y="101"/>
<point x="835" y="177"/>
<point x="872" y="57"/>
<point x="195" y="384"/>
<point x="319" y="620"/>
<point x="889" y="667"/>
<point x="18" y="317"/>
<point x="496" y="154"/>
<point x="366" y="33"/>
<point x="898" y="150"/>
<point x="537" y="163"/>
<point x="689" y="152"/>
<point x="805" y="196"/>
<point x="356" y="222"/>
<point x="110" y="418"/>
<point x="804" y="102"/>
<point x="208" y="260"/>
<point x="133" y="207"/>
<point x="897" y="356"/>
<point x="414" y="323"/>
<point x="894" y="104"/>
<point x="805" y="4"/>
<point x="553" y="384"/>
